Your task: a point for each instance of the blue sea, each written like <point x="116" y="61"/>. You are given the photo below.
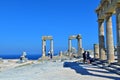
<point x="30" y="57"/>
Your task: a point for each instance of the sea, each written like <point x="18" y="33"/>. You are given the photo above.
<point x="17" y="56"/>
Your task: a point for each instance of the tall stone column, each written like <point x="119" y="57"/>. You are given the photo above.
<point x="102" y="55"/>
<point x="109" y="39"/>
<point x="51" y="46"/>
<point x="118" y="31"/>
<point x="79" y="46"/>
<point x="96" y="51"/>
<point x="43" y="48"/>
<point x="69" y="46"/>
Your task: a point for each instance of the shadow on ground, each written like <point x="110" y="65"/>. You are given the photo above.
<point x="78" y="67"/>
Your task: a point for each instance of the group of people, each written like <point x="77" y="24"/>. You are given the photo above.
<point x="86" y="57"/>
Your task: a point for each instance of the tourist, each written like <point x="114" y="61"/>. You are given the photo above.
<point x="51" y="55"/>
<point x="84" y="56"/>
<point x="88" y="57"/>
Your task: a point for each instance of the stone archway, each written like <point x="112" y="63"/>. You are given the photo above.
<point x="79" y="39"/>
<point x="44" y="38"/>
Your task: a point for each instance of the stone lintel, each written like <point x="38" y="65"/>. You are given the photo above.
<point x="75" y="37"/>
<point x="47" y="37"/>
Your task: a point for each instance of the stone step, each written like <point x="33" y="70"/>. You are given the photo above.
<point x="100" y="65"/>
<point x="115" y="66"/>
<point x="112" y="69"/>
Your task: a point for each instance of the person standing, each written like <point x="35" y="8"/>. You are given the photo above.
<point x="88" y="57"/>
<point x="50" y="55"/>
<point x="84" y="56"/>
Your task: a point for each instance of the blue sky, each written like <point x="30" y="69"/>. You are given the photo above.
<point x="24" y="22"/>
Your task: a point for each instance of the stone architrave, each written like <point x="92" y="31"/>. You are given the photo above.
<point x="102" y="55"/>
<point x="109" y="39"/>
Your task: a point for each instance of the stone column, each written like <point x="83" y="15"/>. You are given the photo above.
<point x="79" y="46"/>
<point x="118" y="31"/>
<point x="96" y="51"/>
<point x="102" y="55"/>
<point x="51" y="46"/>
<point x="69" y="46"/>
<point x="109" y="39"/>
<point x="60" y="53"/>
<point x="43" y="48"/>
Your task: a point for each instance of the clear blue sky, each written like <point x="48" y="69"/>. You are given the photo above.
<point x="24" y="22"/>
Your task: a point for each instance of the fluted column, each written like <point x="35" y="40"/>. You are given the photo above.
<point x="51" y="46"/>
<point x="102" y="55"/>
<point x="96" y="51"/>
<point x="43" y="48"/>
<point x="118" y="31"/>
<point x="109" y="39"/>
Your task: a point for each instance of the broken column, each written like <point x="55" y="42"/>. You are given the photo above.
<point x="60" y="53"/>
<point x="96" y="51"/>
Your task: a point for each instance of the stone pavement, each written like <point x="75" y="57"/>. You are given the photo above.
<point x="49" y="70"/>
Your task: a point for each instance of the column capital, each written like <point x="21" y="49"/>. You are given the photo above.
<point x="79" y="36"/>
<point x="108" y="14"/>
<point x="96" y="44"/>
<point x="100" y="20"/>
<point x="108" y="17"/>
